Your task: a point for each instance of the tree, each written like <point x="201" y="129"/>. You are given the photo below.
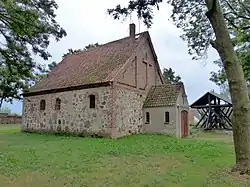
<point x="10" y="83"/>
<point x="42" y="71"/>
<point x="206" y="22"/>
<point x="241" y="41"/>
<point x="169" y="76"/>
<point x="220" y="77"/>
<point x="77" y="51"/>
<point x="52" y="65"/>
<point x="26" y="27"/>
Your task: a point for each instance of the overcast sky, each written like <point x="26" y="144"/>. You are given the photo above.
<point x="87" y="22"/>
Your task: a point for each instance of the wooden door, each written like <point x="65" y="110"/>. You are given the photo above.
<point x="184" y="123"/>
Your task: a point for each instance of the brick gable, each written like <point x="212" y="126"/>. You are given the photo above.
<point x="141" y="70"/>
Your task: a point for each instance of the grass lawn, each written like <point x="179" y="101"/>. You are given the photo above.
<point x="33" y="160"/>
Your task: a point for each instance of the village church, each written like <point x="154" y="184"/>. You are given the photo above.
<point x="113" y="90"/>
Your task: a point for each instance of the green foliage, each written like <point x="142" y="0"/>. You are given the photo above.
<point x="42" y="71"/>
<point x="190" y="16"/>
<point x="10" y="84"/>
<point x="170" y="77"/>
<point x="77" y="51"/>
<point x="51" y="66"/>
<point x="238" y="17"/>
<point x="26" y="27"/>
<point x="141" y="160"/>
<point x="220" y="77"/>
<point x="143" y="8"/>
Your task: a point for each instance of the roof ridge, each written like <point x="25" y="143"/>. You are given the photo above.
<point x="93" y="66"/>
<point x="127" y="37"/>
<point x="110" y="42"/>
<point x="169" y="84"/>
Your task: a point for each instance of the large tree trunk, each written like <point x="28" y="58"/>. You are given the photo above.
<point x="237" y="86"/>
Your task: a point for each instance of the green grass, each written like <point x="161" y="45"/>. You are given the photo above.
<point x="34" y="160"/>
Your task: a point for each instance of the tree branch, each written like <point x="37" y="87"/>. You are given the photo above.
<point x="231" y="22"/>
<point x="236" y="13"/>
<point x="210" y="12"/>
<point x="244" y="6"/>
<point x="214" y="44"/>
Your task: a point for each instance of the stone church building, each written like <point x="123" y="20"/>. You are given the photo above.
<point x="114" y="90"/>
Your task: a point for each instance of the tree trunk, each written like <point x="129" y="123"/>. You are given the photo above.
<point x="237" y="86"/>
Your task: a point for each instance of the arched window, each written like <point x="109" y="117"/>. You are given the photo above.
<point x="147" y="117"/>
<point x="91" y="101"/>
<point x="166" y="117"/>
<point x="42" y="104"/>
<point x="58" y="104"/>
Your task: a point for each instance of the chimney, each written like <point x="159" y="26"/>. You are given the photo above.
<point x="132" y="30"/>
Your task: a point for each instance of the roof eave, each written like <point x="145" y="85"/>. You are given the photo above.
<point x="72" y="88"/>
<point x="154" y="55"/>
<point x="160" y="106"/>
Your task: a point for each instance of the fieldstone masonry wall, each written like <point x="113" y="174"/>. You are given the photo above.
<point x="127" y="112"/>
<point x="75" y="116"/>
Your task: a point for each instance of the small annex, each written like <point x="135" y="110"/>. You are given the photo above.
<point x="166" y="110"/>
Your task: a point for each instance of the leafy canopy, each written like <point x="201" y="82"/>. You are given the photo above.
<point x="76" y="51"/>
<point x="42" y="71"/>
<point x="170" y="77"/>
<point x="190" y="16"/>
<point x="240" y="34"/>
<point x="26" y="27"/>
<point x="220" y="77"/>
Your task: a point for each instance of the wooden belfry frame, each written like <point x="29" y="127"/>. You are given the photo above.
<point x="215" y="111"/>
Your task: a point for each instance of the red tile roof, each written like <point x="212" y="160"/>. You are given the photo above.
<point x="163" y="95"/>
<point x="97" y="65"/>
